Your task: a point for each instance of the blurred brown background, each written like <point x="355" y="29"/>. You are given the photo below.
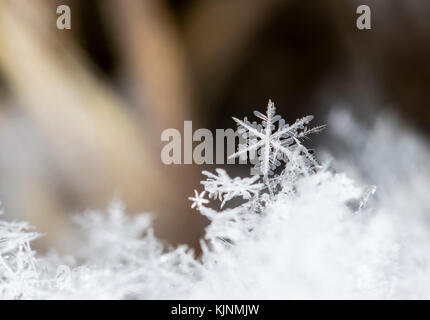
<point x="82" y="111"/>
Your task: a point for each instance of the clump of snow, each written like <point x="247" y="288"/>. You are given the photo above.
<point x="17" y="262"/>
<point x="308" y="232"/>
<point x="313" y="246"/>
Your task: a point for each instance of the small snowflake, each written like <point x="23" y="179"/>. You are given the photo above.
<point x="198" y="200"/>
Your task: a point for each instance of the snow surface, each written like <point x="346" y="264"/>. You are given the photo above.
<point x="323" y="234"/>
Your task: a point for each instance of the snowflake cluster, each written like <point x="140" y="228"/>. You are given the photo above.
<point x="275" y="142"/>
<point x="224" y="188"/>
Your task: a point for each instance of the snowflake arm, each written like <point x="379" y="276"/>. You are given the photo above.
<point x="292" y="130"/>
<point x="247" y="149"/>
<point x="248" y="127"/>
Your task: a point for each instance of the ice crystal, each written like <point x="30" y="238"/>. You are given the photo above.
<point x="224" y="188"/>
<point x="198" y="199"/>
<point x="275" y="146"/>
<point x="17" y="261"/>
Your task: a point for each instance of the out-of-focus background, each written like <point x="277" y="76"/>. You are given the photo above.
<point x="82" y="110"/>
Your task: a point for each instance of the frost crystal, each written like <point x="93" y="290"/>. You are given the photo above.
<point x="198" y="199"/>
<point x="224" y="188"/>
<point x="275" y="146"/>
<point x="17" y="262"/>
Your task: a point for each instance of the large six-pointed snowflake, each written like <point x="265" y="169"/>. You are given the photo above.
<point x="275" y="145"/>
